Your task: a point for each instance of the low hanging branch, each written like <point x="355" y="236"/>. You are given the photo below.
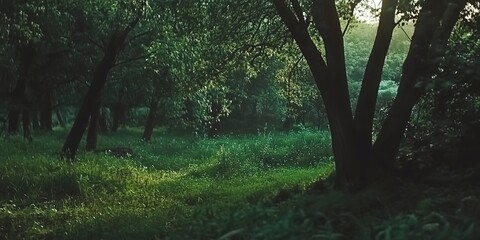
<point x="353" y="5"/>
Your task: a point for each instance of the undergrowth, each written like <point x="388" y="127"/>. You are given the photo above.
<point x="179" y="187"/>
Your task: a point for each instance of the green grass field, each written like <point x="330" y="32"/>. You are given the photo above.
<point x="180" y="187"/>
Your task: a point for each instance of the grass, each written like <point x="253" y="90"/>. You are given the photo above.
<point x="166" y="182"/>
<point x="233" y="187"/>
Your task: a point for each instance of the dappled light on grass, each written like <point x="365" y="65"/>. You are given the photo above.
<point x="153" y="193"/>
<point x="249" y="187"/>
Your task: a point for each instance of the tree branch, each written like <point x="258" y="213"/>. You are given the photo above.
<point x="353" y="5"/>
<point x="139" y="35"/>
<point x="95" y="43"/>
<point x="372" y="77"/>
<point x="295" y="65"/>
<point x="130" y="60"/>
<point x="299" y="12"/>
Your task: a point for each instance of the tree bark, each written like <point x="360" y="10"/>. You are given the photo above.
<point x="113" y="48"/>
<point x="151" y="119"/>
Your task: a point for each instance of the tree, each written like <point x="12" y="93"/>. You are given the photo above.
<point x="358" y="160"/>
<point x="127" y="15"/>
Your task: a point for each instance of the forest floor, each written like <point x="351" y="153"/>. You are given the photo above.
<point x="233" y="187"/>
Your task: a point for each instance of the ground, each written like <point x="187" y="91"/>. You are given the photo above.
<point x="264" y="186"/>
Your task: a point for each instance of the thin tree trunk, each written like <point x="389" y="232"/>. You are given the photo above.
<point x="27" y="132"/>
<point x="102" y="122"/>
<point x="215" y="112"/>
<point x="151" y="119"/>
<point x="92" y="134"/>
<point x="46" y="112"/>
<point x="118" y="114"/>
<point x="13" y="119"/>
<point x="253" y="113"/>
<point x="36" y="120"/>
<point x="18" y="98"/>
<point x="288" y="123"/>
<point x="60" y="119"/>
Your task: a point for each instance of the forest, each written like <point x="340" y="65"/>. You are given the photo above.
<point x="240" y="119"/>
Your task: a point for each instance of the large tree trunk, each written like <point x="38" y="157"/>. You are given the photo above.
<point x="356" y="162"/>
<point x="151" y="119"/>
<point x="100" y="75"/>
<point x="434" y="27"/>
<point x="331" y="81"/>
<point x="18" y="96"/>
<point x="365" y="109"/>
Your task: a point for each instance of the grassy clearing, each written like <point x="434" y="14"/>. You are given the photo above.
<point x="160" y="189"/>
<point x="249" y="187"/>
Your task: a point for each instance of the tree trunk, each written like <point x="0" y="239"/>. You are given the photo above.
<point x="102" y="122"/>
<point x="92" y="133"/>
<point x="118" y="115"/>
<point x="332" y="83"/>
<point x="46" y="112"/>
<point x="18" y="95"/>
<point x="151" y="119"/>
<point x="356" y="162"/>
<point x="215" y="112"/>
<point x="434" y="27"/>
<point x="60" y="119"/>
<point x="13" y="119"/>
<point x="27" y="132"/>
<point x="288" y="123"/>
<point x="36" y="124"/>
<point x="189" y="114"/>
<point x="253" y="113"/>
<point x="113" y="48"/>
<point x="367" y="100"/>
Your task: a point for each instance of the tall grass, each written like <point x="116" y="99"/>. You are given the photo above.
<point x="154" y="194"/>
<point x="232" y="187"/>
